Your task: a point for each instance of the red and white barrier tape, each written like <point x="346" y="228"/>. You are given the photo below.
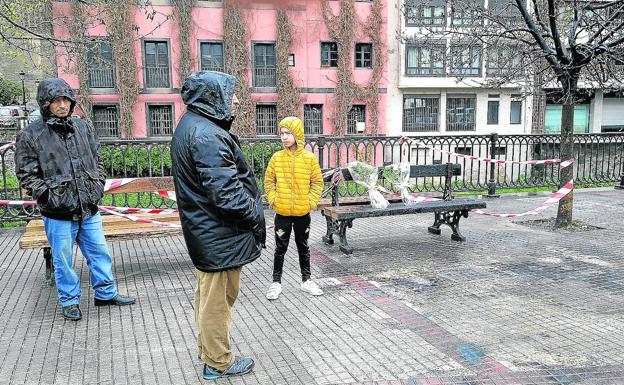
<point x="554" y="198"/>
<point x="488" y="160"/>
<point x="112" y="184"/>
<point x="6" y="146"/>
<point x="141" y="220"/>
<point x="167" y="194"/>
<point x="134" y="210"/>
<point x="17" y="203"/>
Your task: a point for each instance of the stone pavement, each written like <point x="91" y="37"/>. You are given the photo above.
<point x="513" y="305"/>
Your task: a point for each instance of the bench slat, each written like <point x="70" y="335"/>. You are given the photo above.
<point x="150" y="184"/>
<point x="114" y="228"/>
<point x="366" y="211"/>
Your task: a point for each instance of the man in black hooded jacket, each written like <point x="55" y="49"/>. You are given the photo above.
<point x="220" y="210"/>
<point x="57" y="162"/>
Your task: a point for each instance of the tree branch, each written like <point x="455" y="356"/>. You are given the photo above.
<point x="552" y="20"/>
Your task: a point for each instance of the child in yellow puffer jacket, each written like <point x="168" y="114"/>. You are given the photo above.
<point x="293" y="183"/>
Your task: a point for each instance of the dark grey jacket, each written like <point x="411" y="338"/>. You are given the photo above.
<point x="57" y="161"/>
<point x="217" y="195"/>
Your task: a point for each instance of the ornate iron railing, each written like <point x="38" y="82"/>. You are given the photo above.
<point x="599" y="160"/>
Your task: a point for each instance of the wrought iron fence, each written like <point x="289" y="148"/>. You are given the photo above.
<point x="599" y="160"/>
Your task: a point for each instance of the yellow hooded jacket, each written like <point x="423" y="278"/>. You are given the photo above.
<point x="293" y="181"/>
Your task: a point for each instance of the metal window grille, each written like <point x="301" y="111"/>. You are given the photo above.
<point x="466" y="60"/>
<point x="100" y="66"/>
<point x="106" y="121"/>
<point x="329" y="55"/>
<point x="492" y="111"/>
<point x="425" y="12"/>
<point x="266" y="120"/>
<point x="425" y="60"/>
<point x="157" y="64"/>
<point x="363" y="55"/>
<point x="357" y="113"/>
<point x="160" y="120"/>
<point x="313" y="119"/>
<point x="211" y="56"/>
<point x="420" y="114"/>
<point x="265" y="74"/>
<point x="460" y="113"/>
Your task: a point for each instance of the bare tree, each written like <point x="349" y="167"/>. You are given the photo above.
<point x="566" y="45"/>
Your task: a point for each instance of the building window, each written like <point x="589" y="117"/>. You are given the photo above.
<point x="329" y="55"/>
<point x="105" y="121"/>
<point x="460" y="113"/>
<point x="503" y="61"/>
<point x="100" y="65"/>
<point x="264" y="65"/>
<point x="465" y="60"/>
<point x="425" y="13"/>
<point x="212" y="56"/>
<point x="492" y="112"/>
<point x="466" y="14"/>
<point x="313" y="119"/>
<point x="157" y="64"/>
<point x="420" y="113"/>
<point x="425" y="60"/>
<point x="516" y="112"/>
<point x="363" y="55"/>
<point x="266" y="119"/>
<point x="357" y="114"/>
<point x="160" y="120"/>
<point x="552" y="119"/>
<point x="505" y="12"/>
<point x="291" y="59"/>
<point x="463" y="150"/>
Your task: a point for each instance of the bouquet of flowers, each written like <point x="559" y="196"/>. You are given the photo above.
<point x="366" y="175"/>
<point x="399" y="175"/>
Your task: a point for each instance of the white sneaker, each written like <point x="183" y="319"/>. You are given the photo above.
<point x="311" y="287"/>
<point x="274" y="291"/>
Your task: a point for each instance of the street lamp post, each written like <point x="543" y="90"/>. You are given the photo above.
<point x="22" y="75"/>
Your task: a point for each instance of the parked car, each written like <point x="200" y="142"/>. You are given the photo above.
<point x="9" y="116"/>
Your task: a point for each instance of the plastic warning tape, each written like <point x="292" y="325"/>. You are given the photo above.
<point x="554" y="198"/>
<point x="141" y="220"/>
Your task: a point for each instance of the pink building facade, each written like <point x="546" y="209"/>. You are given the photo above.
<point x="312" y="63"/>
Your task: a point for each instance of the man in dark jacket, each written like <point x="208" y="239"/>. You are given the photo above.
<point x="58" y="164"/>
<point x="220" y="211"/>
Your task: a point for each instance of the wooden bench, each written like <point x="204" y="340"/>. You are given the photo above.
<point x="446" y="211"/>
<point x="115" y="227"/>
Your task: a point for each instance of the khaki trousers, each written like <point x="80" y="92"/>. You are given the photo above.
<point x="215" y="295"/>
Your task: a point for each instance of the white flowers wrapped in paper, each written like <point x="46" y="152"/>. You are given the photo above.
<point x="366" y="175"/>
<point x="399" y="176"/>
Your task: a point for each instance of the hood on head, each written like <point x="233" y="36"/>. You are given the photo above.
<point x="50" y="89"/>
<point x="210" y="93"/>
<point x="295" y="125"/>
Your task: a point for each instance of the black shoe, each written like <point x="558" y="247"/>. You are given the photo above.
<point x="118" y="300"/>
<point x="72" y="312"/>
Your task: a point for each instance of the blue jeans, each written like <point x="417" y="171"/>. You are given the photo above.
<point x="90" y="237"/>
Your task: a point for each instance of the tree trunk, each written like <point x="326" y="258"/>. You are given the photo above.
<point x="566" y="151"/>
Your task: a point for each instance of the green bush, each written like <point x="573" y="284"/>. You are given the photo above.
<point x="136" y="161"/>
<point x="258" y="156"/>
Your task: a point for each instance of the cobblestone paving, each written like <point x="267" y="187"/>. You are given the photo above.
<point x="514" y="305"/>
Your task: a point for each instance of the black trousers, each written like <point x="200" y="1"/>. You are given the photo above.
<point x="283" y="227"/>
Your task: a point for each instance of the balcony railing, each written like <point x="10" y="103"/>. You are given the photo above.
<point x="157" y="77"/>
<point x="101" y="78"/>
<point x="599" y="160"/>
<point x="265" y="77"/>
